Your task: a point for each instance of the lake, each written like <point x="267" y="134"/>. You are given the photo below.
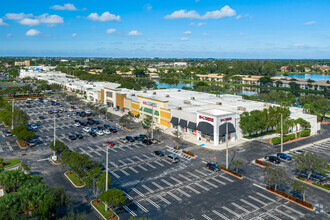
<point x="174" y="86"/>
<point x="315" y="77"/>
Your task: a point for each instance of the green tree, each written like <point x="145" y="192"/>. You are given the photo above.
<point x="310" y="163"/>
<point x="59" y="147"/>
<point x="73" y="216"/>
<point x="114" y="198"/>
<point x="96" y="181"/>
<point x="237" y="164"/>
<point x="126" y="119"/>
<point x="275" y="176"/>
<point x="76" y="162"/>
<point x="146" y="123"/>
<point x="299" y="187"/>
<point x="177" y="136"/>
<point x="12" y="178"/>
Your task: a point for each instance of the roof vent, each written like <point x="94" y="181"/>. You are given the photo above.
<point x="218" y="103"/>
<point x="144" y="91"/>
<point x="179" y="90"/>
<point x="179" y="108"/>
<point x="240" y="108"/>
<point x="154" y="93"/>
<point x="186" y="102"/>
<point x="192" y="98"/>
<point x="132" y="94"/>
<point x="217" y="95"/>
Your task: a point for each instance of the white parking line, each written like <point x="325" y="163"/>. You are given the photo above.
<point x="100" y="148"/>
<point x="164" y="200"/>
<point x="113" y="164"/>
<point x="200" y="172"/>
<point x="141" y="207"/>
<point x="211" y="184"/>
<point x="114" y="174"/>
<point x="128" y="196"/>
<point x="166" y="161"/>
<point x="184" y="177"/>
<point x="194" y="175"/>
<point x="153" y="203"/>
<point x="299" y="213"/>
<point x="143" y="168"/>
<point x="7" y="143"/>
<point x="124" y="172"/>
<point x="240" y="207"/>
<point x="250" y="204"/>
<point x="138" y="158"/>
<point x="121" y="148"/>
<point x="166" y="182"/>
<point x="192" y="189"/>
<point x="206" y="217"/>
<point x="231" y="211"/>
<point x="158" y="163"/>
<point x="183" y="192"/>
<point x="138" y="192"/>
<point x="273" y="216"/>
<point x="201" y="186"/>
<point x="145" y="156"/>
<point x="129" y="147"/>
<point x="266" y="197"/>
<point x="286" y="214"/>
<point x="226" y="178"/>
<point x="153" y="167"/>
<point x="147" y="188"/>
<point x="157" y="185"/>
<point x="93" y="151"/>
<point x="85" y="152"/>
<point x="129" y="211"/>
<point x="120" y="161"/>
<point x="134" y="170"/>
<point x="113" y="150"/>
<point x="219" y="181"/>
<point x="220" y="215"/>
<point x="130" y="160"/>
<point x="174" y="196"/>
<point x="255" y="199"/>
<point x="11" y="148"/>
<point x="176" y="180"/>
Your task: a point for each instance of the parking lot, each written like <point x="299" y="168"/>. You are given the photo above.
<point x="157" y="188"/>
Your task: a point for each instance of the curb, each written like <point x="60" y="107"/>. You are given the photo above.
<point x="23" y="148"/>
<point x="15" y="167"/>
<point x="91" y="202"/>
<point x="54" y="162"/>
<point x="317" y="187"/>
<point x="72" y="182"/>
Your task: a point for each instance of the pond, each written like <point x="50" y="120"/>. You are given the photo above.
<point x="315" y="77"/>
<point x="173" y="86"/>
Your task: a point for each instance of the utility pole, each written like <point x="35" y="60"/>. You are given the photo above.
<point x="152" y="123"/>
<point x="227" y="144"/>
<point x="12" y="114"/>
<point x="281" y="132"/>
<point x="54" y="134"/>
<point x="107" y="172"/>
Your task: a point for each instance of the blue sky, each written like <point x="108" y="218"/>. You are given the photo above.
<point x="152" y="28"/>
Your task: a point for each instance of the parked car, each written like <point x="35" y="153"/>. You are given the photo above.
<point x="214" y="167"/>
<point x="106" y="126"/>
<point x="129" y="138"/>
<point x="173" y="158"/>
<point x="77" y="124"/>
<point x="138" y="138"/>
<point x="50" y="112"/>
<point x="97" y="122"/>
<point x="90" y="122"/>
<point x="100" y="132"/>
<point x="68" y="114"/>
<point x="79" y="136"/>
<point x="154" y="141"/>
<point x="87" y="129"/>
<point x="314" y="177"/>
<point x="72" y="137"/>
<point x="144" y="136"/>
<point x="41" y="117"/>
<point x="113" y="130"/>
<point x="76" y="120"/>
<point x="106" y="131"/>
<point x="31" y="143"/>
<point x="74" y="113"/>
<point x="110" y="143"/>
<point x="298" y="151"/>
<point x="34" y="126"/>
<point x="100" y="128"/>
<point x="273" y="159"/>
<point x="92" y="133"/>
<point x="83" y="123"/>
<point x="29" y="106"/>
<point x="146" y="141"/>
<point x="55" y="111"/>
<point x="159" y="153"/>
<point x="123" y="140"/>
<point x="94" y="129"/>
<point x="7" y="134"/>
<point x="284" y="156"/>
<point x="57" y="115"/>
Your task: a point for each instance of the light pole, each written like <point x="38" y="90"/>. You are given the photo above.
<point x="107" y="174"/>
<point x="281" y="132"/>
<point x="152" y="123"/>
<point x="12" y="114"/>
<point x="54" y="134"/>
<point x="227" y="144"/>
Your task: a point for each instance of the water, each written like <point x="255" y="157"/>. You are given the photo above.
<point x="315" y="77"/>
<point x="175" y="86"/>
<point x="247" y="93"/>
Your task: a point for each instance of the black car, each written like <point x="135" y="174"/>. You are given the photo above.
<point x="96" y="122"/>
<point x="100" y="128"/>
<point x="130" y="139"/>
<point x="41" y="117"/>
<point x="28" y="102"/>
<point x="90" y="119"/>
<point x="72" y="137"/>
<point x="138" y="138"/>
<point x="83" y="123"/>
<point x="82" y="115"/>
<point x="146" y="141"/>
<point x="50" y="112"/>
<point x="144" y="136"/>
<point x="29" y="106"/>
<point x="113" y="130"/>
<point x="57" y="115"/>
<point x="159" y="153"/>
<point x="214" y="167"/>
<point x="273" y="159"/>
<point x="79" y="136"/>
<point x="76" y="120"/>
<point x="90" y="122"/>
<point x="92" y="133"/>
<point x="106" y="126"/>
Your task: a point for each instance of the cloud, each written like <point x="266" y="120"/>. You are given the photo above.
<point x="110" y="31"/>
<point x="148" y="7"/>
<point x="2" y="23"/>
<point x="201" y="24"/>
<point x="242" y="33"/>
<point x="205" y="34"/>
<point x="238" y="17"/>
<point x="29" y="22"/>
<point x="225" y="11"/>
<point x="310" y="23"/>
<point x="17" y="16"/>
<point x="192" y="24"/>
<point x="300" y="45"/>
<point x="50" y="19"/>
<point x="9" y="35"/>
<point x="134" y="33"/>
<point x="187" y="32"/>
<point x="184" y="38"/>
<point x="106" y="16"/>
<point x="32" y="32"/>
<point x="74" y="35"/>
<point x="65" y="7"/>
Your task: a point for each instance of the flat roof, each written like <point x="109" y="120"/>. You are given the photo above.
<point x="216" y="112"/>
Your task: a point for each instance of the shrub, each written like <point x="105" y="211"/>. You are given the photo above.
<point x="305" y="133"/>
<point x="263" y="163"/>
<point x="230" y="171"/>
<point x="289" y="137"/>
<point x="276" y="140"/>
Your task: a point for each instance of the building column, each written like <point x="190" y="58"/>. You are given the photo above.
<point x="216" y="134"/>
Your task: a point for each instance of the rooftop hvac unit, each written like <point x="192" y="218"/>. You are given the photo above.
<point x="179" y="108"/>
<point x="217" y="95"/>
<point x="186" y="102"/>
<point x="179" y="90"/>
<point x="167" y="96"/>
<point x="192" y="98"/>
<point x="154" y="93"/>
<point x="240" y="108"/>
<point x="144" y="91"/>
<point x="218" y="103"/>
<point x="132" y="94"/>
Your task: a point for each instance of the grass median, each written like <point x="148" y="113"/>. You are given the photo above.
<point x="74" y="178"/>
<point x="101" y="208"/>
<point x="11" y="163"/>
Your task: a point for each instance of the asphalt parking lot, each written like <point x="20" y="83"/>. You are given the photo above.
<point x="157" y="188"/>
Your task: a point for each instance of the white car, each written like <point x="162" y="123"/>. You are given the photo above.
<point x="298" y="151"/>
<point x="70" y="110"/>
<point x="123" y="140"/>
<point x="34" y="126"/>
<point x="68" y="114"/>
<point x="74" y="113"/>
<point x="77" y="124"/>
<point x="99" y="132"/>
<point x="87" y="129"/>
<point x="106" y="131"/>
<point x="28" y="99"/>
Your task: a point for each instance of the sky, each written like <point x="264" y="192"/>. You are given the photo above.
<point x="243" y="29"/>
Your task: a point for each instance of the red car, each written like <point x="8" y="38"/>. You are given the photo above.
<point x="110" y="143"/>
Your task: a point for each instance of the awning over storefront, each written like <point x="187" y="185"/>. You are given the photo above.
<point x="192" y="125"/>
<point x="222" y="129"/>
<point x="147" y="110"/>
<point x="205" y="128"/>
<point x="156" y="113"/>
<point x="175" y="121"/>
<point x="183" y="123"/>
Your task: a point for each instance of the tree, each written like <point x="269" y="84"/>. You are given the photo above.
<point x="177" y="136"/>
<point x="74" y="216"/>
<point x="126" y="119"/>
<point x="76" y="162"/>
<point x="266" y="81"/>
<point x="12" y="178"/>
<point x="299" y="187"/>
<point x="114" y="198"/>
<point x="237" y="164"/>
<point x="141" y="218"/>
<point x="59" y="147"/>
<point x="310" y="163"/>
<point x="146" y="123"/>
<point x="275" y="176"/>
<point x="96" y="181"/>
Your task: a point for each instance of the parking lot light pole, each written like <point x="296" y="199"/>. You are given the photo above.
<point x="227" y="144"/>
<point x="152" y="123"/>
<point x="54" y="134"/>
<point x="107" y="172"/>
<point x="12" y="114"/>
<point x="281" y="132"/>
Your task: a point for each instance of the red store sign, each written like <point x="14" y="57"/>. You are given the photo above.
<point x="225" y="119"/>
<point x="206" y="118"/>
